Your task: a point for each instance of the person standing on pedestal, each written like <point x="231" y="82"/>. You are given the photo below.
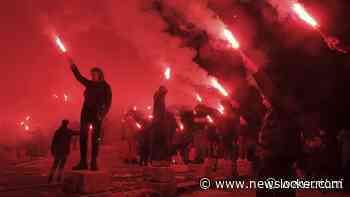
<point x="160" y="136"/>
<point x="97" y="102"/>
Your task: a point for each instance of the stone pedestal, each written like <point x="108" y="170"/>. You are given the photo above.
<point x="161" y="179"/>
<point x="91" y="183"/>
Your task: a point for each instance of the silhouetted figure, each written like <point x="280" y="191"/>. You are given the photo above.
<point x="344" y="139"/>
<point x="60" y="149"/>
<point x="228" y="133"/>
<point x="279" y="139"/>
<point x="161" y="128"/>
<point x="144" y="141"/>
<point x="97" y="102"/>
<point x="129" y="134"/>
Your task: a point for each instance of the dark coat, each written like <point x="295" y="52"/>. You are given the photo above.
<point x="60" y="145"/>
<point x="281" y="131"/>
<point x="98" y="94"/>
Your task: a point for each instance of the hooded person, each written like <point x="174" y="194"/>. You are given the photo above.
<point x="97" y="102"/>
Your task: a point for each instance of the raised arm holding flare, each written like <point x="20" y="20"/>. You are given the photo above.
<point x="97" y="102"/>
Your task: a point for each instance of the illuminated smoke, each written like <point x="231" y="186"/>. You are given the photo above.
<point x="198" y="13"/>
<point x="283" y="7"/>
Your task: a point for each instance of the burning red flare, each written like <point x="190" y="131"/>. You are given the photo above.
<point x="181" y="126"/>
<point x="231" y="38"/>
<point x="199" y="98"/>
<point x="304" y="15"/>
<point x="167" y="73"/>
<point x="26" y="127"/>
<point x="210" y="119"/>
<point x="138" y="125"/>
<point x="60" y="44"/>
<point x="219" y="87"/>
<point x="65" y="97"/>
<point x="28" y="118"/>
<point x="221" y="109"/>
<point x="91" y="127"/>
<point x="25" y="123"/>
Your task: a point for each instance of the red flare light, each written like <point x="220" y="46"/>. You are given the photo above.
<point x="231" y="39"/>
<point x="181" y="126"/>
<point x="65" y="97"/>
<point x="25" y="123"/>
<point x="28" y="118"/>
<point x="138" y="125"/>
<point x="221" y="109"/>
<point x="167" y="73"/>
<point x="304" y="15"/>
<point x="91" y="127"/>
<point x="199" y="98"/>
<point x="60" y="44"/>
<point x="26" y="127"/>
<point x="219" y="87"/>
<point x="210" y="119"/>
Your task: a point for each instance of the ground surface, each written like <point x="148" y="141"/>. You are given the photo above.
<point x="29" y="179"/>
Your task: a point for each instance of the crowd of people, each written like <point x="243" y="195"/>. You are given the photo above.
<point x="278" y="145"/>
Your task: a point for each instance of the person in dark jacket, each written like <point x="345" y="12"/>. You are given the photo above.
<point x="160" y="128"/>
<point x="60" y="149"/>
<point x="279" y="138"/>
<point x="144" y="145"/>
<point x="97" y="102"/>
